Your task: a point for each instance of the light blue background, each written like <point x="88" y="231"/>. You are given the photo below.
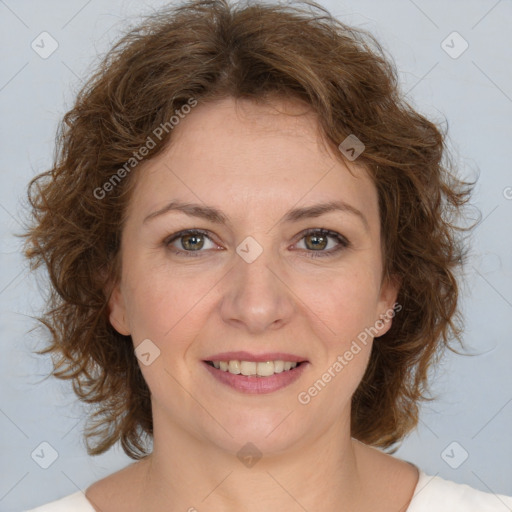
<point x="473" y="92"/>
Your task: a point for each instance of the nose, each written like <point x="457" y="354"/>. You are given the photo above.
<point x="256" y="295"/>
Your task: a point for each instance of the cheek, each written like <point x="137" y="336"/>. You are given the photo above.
<point x="163" y="302"/>
<point x="344" y="302"/>
<point x="342" y="310"/>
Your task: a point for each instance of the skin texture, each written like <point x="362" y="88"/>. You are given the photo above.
<point x="253" y="163"/>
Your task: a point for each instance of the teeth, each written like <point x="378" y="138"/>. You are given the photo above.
<point x="248" y="368"/>
<point x="265" y="369"/>
<point x="278" y="366"/>
<point x="234" y="367"/>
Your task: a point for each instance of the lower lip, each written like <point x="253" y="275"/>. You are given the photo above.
<point x="257" y="385"/>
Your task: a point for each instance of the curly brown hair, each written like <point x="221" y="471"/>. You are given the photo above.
<point x="206" y="50"/>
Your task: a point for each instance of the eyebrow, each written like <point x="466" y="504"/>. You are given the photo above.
<point x="218" y="217"/>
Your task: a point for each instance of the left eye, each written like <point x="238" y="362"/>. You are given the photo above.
<point x="316" y="241"/>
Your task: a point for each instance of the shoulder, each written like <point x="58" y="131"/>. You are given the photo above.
<point x="76" y="502"/>
<point x="436" y="493"/>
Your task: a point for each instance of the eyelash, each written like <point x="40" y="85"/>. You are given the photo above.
<point x="343" y="242"/>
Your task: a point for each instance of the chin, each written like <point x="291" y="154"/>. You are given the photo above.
<point x="268" y="433"/>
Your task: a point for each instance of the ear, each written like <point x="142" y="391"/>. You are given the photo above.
<point x="117" y="311"/>
<point x="387" y="306"/>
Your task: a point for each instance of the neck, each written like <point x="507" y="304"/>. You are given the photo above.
<point x="196" y="474"/>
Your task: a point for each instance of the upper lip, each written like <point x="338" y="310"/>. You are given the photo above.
<point x="259" y="358"/>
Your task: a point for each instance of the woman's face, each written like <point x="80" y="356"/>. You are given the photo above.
<point x="252" y="279"/>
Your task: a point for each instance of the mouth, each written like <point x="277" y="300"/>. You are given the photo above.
<point x="259" y="369"/>
<point x="255" y="377"/>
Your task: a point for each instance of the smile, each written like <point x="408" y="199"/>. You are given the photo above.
<point x="248" y="368"/>
<point x="255" y="377"/>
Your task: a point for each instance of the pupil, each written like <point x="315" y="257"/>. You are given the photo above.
<point x="317" y="237"/>
<point x="186" y="241"/>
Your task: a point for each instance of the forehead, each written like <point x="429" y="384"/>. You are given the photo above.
<point x="242" y="156"/>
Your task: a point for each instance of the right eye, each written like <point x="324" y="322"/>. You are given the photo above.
<point x="190" y="240"/>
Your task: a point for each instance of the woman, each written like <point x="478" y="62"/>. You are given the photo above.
<point x="252" y="246"/>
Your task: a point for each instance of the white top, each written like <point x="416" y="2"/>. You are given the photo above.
<point x="432" y="494"/>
